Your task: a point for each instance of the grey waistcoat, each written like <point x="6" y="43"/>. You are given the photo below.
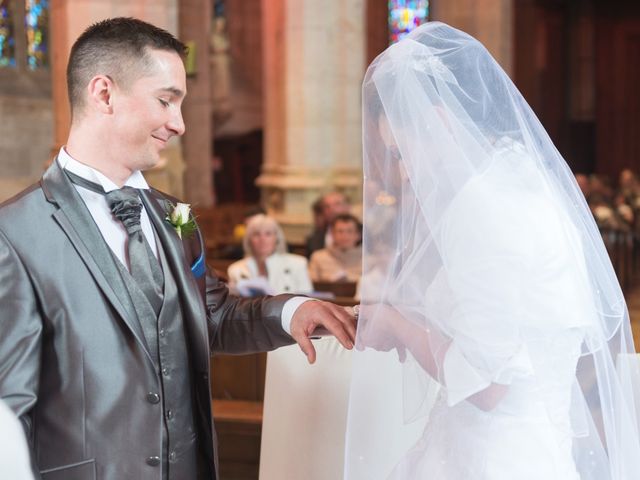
<point x="179" y="458"/>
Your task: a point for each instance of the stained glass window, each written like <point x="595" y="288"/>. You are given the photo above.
<point x="7" y="37"/>
<point x="218" y="8"/>
<point x="36" y="23"/>
<point x="405" y="15"/>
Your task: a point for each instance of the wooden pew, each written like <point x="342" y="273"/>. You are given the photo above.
<point x="239" y="427"/>
<point x="217" y="223"/>
<point x="339" y="289"/>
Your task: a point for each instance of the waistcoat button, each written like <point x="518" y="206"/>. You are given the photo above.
<point x="153" y="397"/>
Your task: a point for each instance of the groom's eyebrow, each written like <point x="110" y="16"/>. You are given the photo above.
<point x="173" y="91"/>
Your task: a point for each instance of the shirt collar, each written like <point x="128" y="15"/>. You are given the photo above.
<point x="136" y="180"/>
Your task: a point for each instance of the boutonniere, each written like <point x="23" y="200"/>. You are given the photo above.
<point x="180" y="217"/>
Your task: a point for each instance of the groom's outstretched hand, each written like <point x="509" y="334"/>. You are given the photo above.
<point x="337" y="320"/>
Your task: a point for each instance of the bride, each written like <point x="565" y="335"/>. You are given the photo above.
<point x="494" y="341"/>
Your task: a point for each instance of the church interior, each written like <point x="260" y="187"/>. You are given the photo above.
<point x="273" y="123"/>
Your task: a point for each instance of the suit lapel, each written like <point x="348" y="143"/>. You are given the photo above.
<point x="77" y="223"/>
<point x="193" y="310"/>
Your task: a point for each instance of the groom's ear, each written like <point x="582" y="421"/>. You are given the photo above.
<point x="100" y="94"/>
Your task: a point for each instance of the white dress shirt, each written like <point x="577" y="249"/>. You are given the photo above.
<point x="113" y="230"/>
<point x="14" y="453"/>
<point x="110" y="227"/>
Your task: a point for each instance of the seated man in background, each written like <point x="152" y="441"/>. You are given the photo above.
<point x="342" y="261"/>
<point x="325" y="210"/>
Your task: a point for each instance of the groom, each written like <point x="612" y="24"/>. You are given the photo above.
<point x="107" y="317"/>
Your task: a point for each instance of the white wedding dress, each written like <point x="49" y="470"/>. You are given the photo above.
<point x="518" y="440"/>
<point x="541" y="311"/>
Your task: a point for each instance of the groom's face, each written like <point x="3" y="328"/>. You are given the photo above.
<point x="148" y="111"/>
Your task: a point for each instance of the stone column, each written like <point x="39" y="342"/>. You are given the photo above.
<point x="314" y="55"/>
<point x="195" y="23"/>
<point x="69" y="18"/>
<point x="490" y="21"/>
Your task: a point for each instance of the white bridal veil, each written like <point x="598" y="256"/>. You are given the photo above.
<point x="485" y="278"/>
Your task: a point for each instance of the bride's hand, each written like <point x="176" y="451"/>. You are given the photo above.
<point x="383" y="328"/>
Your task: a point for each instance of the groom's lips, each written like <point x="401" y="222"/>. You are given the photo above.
<point x="162" y="141"/>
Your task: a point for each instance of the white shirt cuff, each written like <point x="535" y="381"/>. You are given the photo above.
<point x="289" y="309"/>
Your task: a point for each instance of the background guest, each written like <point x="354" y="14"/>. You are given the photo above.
<point x="584" y="184"/>
<point x="325" y="210"/>
<point x="600" y="191"/>
<point x="268" y="266"/>
<point x="342" y="261"/>
<point x="235" y="251"/>
<point x="629" y="187"/>
<point x="612" y="209"/>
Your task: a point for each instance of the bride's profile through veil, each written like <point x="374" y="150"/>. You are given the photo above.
<point x="494" y="340"/>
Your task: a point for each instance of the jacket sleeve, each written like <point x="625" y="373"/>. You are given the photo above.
<point x="238" y="325"/>
<point x="20" y="341"/>
<point x="244" y="325"/>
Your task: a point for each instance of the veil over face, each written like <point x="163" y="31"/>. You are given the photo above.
<point x="483" y="267"/>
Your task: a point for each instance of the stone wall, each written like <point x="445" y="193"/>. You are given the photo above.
<point x="25" y="142"/>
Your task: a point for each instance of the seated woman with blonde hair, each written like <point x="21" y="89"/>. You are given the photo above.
<point x="267" y="267"/>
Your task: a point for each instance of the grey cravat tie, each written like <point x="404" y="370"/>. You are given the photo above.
<point x="126" y="206"/>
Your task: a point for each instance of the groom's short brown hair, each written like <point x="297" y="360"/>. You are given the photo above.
<point x="116" y="47"/>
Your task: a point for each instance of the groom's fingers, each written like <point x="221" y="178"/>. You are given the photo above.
<point x="307" y="348"/>
<point x="341" y="322"/>
<point x="338" y="327"/>
<point x="328" y="316"/>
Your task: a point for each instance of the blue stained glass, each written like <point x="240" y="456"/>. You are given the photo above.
<point x="7" y="37"/>
<point x="218" y="8"/>
<point x="405" y="15"/>
<point x="36" y="22"/>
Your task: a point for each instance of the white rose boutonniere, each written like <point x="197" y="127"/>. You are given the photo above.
<point x="181" y="218"/>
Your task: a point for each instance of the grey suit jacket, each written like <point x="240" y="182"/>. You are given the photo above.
<point x="74" y="365"/>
